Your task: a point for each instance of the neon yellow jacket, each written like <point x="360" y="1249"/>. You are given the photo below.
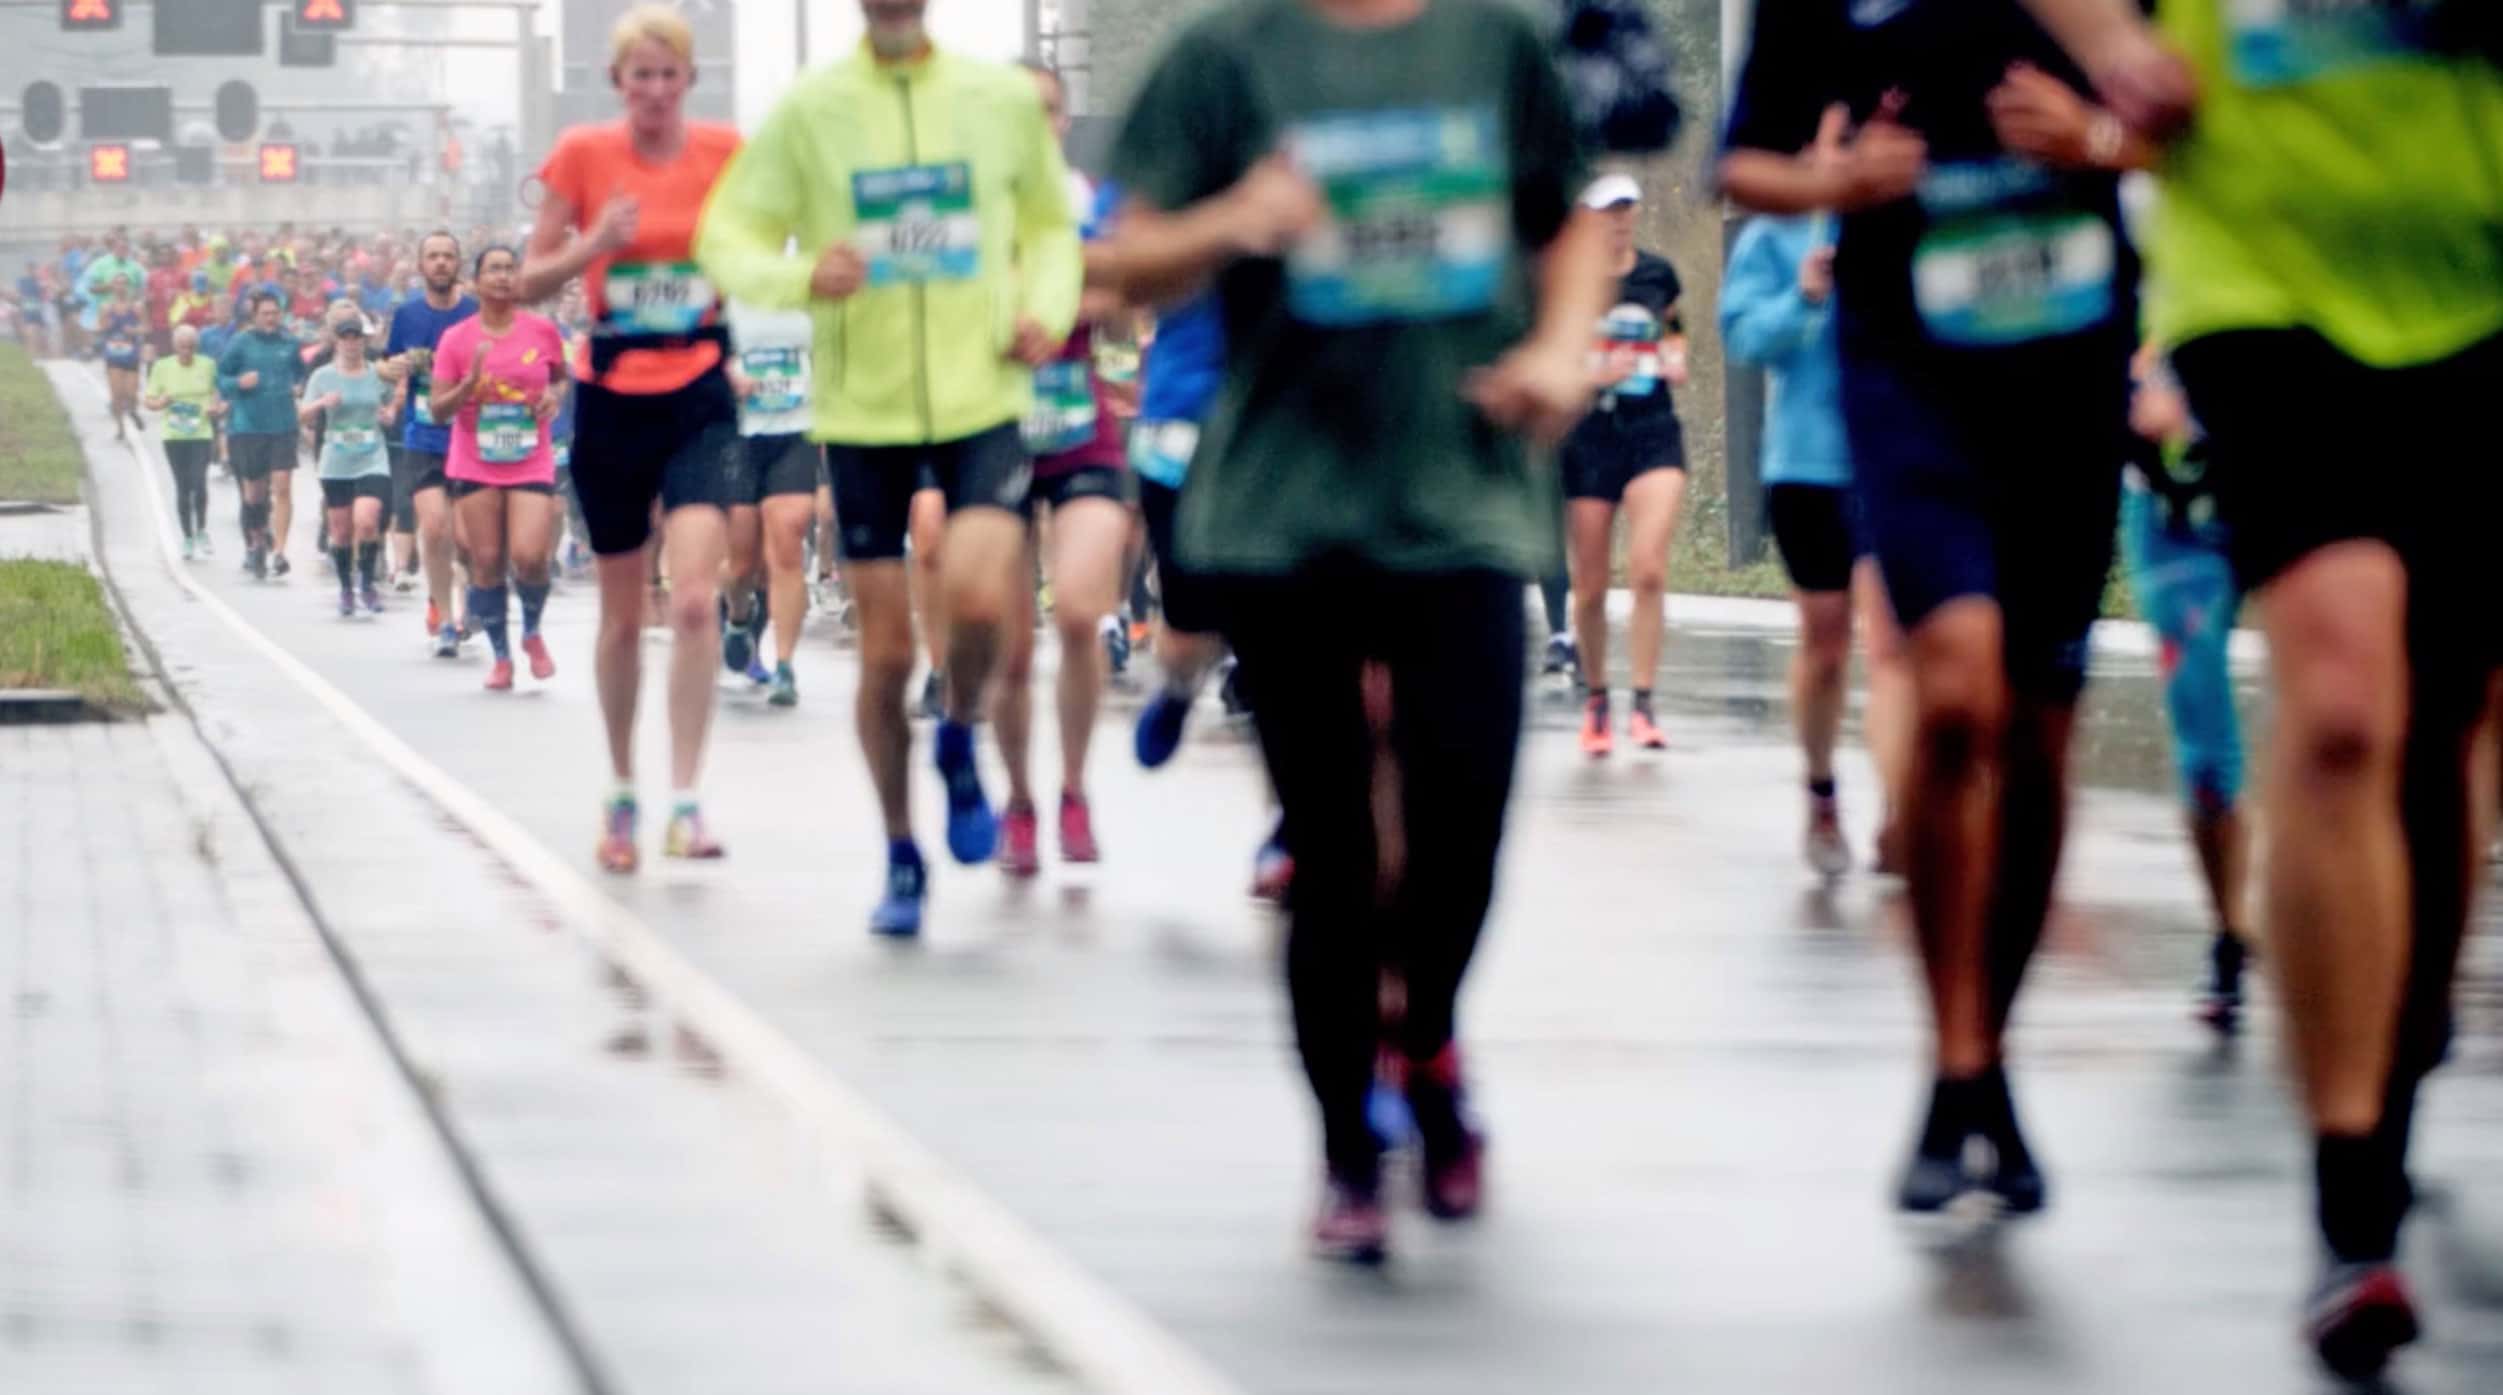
<point x="921" y="353"/>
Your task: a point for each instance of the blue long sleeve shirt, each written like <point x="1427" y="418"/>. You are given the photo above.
<point x="268" y="408"/>
<point x="1765" y="321"/>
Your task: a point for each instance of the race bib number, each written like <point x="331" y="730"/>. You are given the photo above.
<point x="1162" y="450"/>
<point x="2274" y="43"/>
<point x="356" y="439"/>
<point x="120" y="348"/>
<point x="781" y="378"/>
<point x="421" y="402"/>
<point x="1419" y="222"/>
<point x="1063" y="418"/>
<point x="917" y="224"/>
<point x="657" y="297"/>
<point x="1988" y="274"/>
<point x="507" y="433"/>
<point x="1626" y="359"/>
<point x="185" y="417"/>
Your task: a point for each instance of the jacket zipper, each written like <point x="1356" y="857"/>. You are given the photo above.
<point x="921" y="295"/>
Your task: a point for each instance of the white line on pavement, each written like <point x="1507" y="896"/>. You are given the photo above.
<point x="1100" y="1336"/>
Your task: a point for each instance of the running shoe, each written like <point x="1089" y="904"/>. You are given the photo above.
<point x="2220" y="998"/>
<point x="757" y="673"/>
<point x="1273" y="869"/>
<point x="738" y="644"/>
<point x="542" y="664"/>
<point x="1645" y="731"/>
<point x="447" y="643"/>
<point x="786" y="687"/>
<point x="434" y="617"/>
<point x="208" y="545"/>
<point x="1351" y="1227"/>
<point x="1563" y="656"/>
<point x="404" y="583"/>
<point x="898" y="912"/>
<point x="1386" y="1104"/>
<point x="972" y="830"/>
<point x="255" y="563"/>
<point x="1116" y="645"/>
<point x="1828" y="853"/>
<point x="500" y="676"/>
<point x="1020" y="840"/>
<point x="2357" y="1316"/>
<point x="1453" y="1147"/>
<point x="191" y="547"/>
<point x="686" y="838"/>
<point x="1596" y="740"/>
<point x="617" y="846"/>
<point x="372" y="596"/>
<point x="347" y="604"/>
<point x="1140" y="633"/>
<point x="278" y="565"/>
<point x="1160" y="726"/>
<point x="1077" y="830"/>
<point x="934" y="696"/>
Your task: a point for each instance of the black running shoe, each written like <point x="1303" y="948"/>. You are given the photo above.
<point x="2358" y="1315"/>
<point x="2220" y="998"/>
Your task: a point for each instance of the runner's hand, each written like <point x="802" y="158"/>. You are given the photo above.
<point x="1537" y="389"/>
<point x="839" y="274"/>
<point x="1816" y="275"/>
<point x="1033" y="346"/>
<point x="1271" y="206"/>
<point x="2145" y="84"/>
<point x="742" y="386"/>
<point x="1882" y="162"/>
<point x="249" y="382"/>
<point x="615" y="226"/>
<point x="388" y="415"/>
<point x="543" y="407"/>
<point x="2036" y="115"/>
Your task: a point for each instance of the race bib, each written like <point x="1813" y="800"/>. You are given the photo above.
<point x="507" y="433"/>
<point x="1162" y="450"/>
<point x="781" y="377"/>
<point x="1988" y="273"/>
<point x="2273" y="43"/>
<point x="1063" y="418"/>
<point x="1419" y="222"/>
<point x="120" y="348"/>
<point x="657" y="297"/>
<point x="917" y="223"/>
<point x="421" y="402"/>
<point x="185" y="417"/>
<point x="1626" y="359"/>
<point x="356" y="440"/>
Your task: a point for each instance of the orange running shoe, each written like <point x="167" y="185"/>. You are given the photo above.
<point x="1596" y="740"/>
<point x="1645" y="732"/>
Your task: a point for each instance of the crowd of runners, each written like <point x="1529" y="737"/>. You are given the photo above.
<point x="1354" y="329"/>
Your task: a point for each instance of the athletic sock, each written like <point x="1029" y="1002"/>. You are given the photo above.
<point x="682" y="802"/>
<point x="1642" y="701"/>
<point x="487" y="606"/>
<point x="2359" y="1208"/>
<point x="368" y="555"/>
<point x="1822" y="789"/>
<point x="339" y="564"/>
<point x="534" y="603"/>
<point x="1954" y="1104"/>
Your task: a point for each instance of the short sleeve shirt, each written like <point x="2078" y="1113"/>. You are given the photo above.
<point x="652" y="285"/>
<point x="1627" y="351"/>
<point x="352" y="443"/>
<point x="1446" y="151"/>
<point x="497" y="438"/>
<point x="189" y="390"/>
<point x="419" y="325"/>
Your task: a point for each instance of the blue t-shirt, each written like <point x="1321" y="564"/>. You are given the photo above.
<point x="419" y="325"/>
<point x="119" y="339"/>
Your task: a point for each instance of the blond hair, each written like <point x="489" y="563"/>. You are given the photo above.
<point x="651" y="24"/>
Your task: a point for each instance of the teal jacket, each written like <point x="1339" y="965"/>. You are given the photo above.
<point x="269" y="408"/>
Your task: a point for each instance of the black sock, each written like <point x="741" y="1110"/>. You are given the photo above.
<point x="2359" y="1205"/>
<point x="2227" y="956"/>
<point x="1996" y="1121"/>
<point x="367" y="555"/>
<point x="1822" y="789"/>
<point x="1642" y="701"/>
<point x="1953" y="1106"/>
<point x="339" y="563"/>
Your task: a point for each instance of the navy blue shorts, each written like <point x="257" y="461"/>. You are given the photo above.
<point x="1997" y="476"/>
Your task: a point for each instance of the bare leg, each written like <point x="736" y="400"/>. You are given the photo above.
<point x="692" y="546"/>
<point x="981" y="564"/>
<point x="1888" y="720"/>
<point x="434" y="553"/>
<point x="281" y="509"/>
<point x="1089" y="542"/>
<point x="882" y="598"/>
<point x="618" y="662"/>
<point x="1650" y="507"/>
<point x="1588" y="524"/>
<point x="1960" y="686"/>
<point x="1818" y="674"/>
<point x="786" y="521"/>
<point x="929" y="533"/>
<point x="1012" y="703"/>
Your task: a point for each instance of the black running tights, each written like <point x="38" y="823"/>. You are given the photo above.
<point x="190" y="462"/>
<point x="1452" y="644"/>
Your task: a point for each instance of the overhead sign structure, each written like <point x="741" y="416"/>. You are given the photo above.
<point x="108" y="164"/>
<point x="278" y="164"/>
<point x="332" y="15"/>
<point x="91" y="14"/>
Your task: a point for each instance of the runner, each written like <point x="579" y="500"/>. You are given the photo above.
<point x="350" y="401"/>
<point x="421" y="514"/>
<point x="1628" y="456"/>
<point x="1080" y="475"/>
<point x="1349" y="471"/>
<point x="1987" y="302"/>
<point x="122" y="336"/>
<point x="257" y="376"/>
<point x="657" y="422"/>
<point x="1184" y="369"/>
<point x="943" y="255"/>
<point x="774" y="499"/>
<point x="1777" y="310"/>
<point x="183" y="386"/>
<point x="502" y="379"/>
<point x="2180" y="571"/>
<point x="2328" y="260"/>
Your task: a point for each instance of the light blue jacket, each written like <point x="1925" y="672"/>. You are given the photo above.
<point x="1765" y="321"/>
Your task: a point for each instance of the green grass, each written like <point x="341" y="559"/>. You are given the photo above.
<point x="39" y="457"/>
<point x="56" y="632"/>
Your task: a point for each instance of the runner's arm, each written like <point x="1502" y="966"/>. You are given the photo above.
<point x="556" y="253"/>
<point x="1159" y="258"/>
<point x="743" y="242"/>
<point x="1764" y="318"/>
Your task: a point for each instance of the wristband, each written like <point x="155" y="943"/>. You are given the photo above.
<point x="2104" y="137"/>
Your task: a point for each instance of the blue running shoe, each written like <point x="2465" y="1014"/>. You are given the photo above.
<point x="898" y="913"/>
<point x="1160" y="727"/>
<point x="757" y="673"/>
<point x="972" y="830"/>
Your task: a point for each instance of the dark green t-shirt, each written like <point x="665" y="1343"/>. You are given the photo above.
<point x="1447" y="156"/>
